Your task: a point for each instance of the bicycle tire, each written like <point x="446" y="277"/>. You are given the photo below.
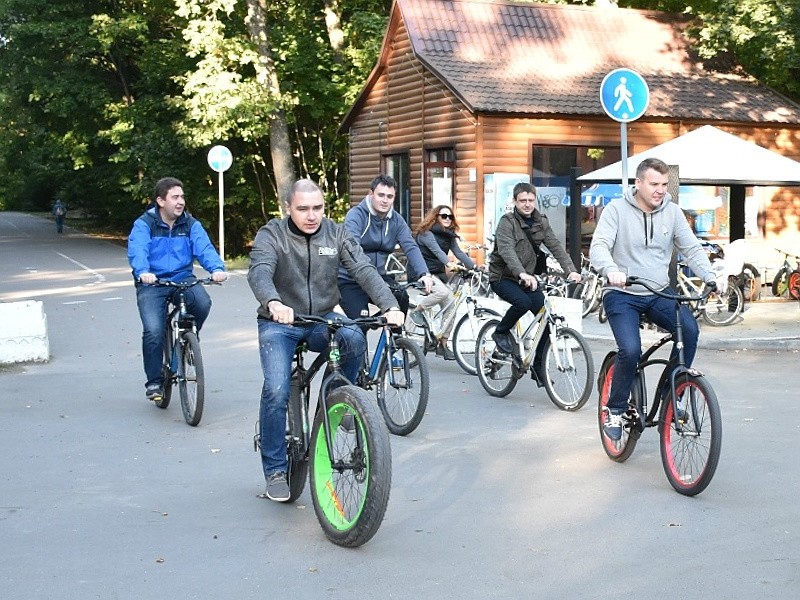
<point x="464" y="339"/>
<point x="494" y="372"/>
<point x="296" y="440"/>
<point x="569" y="388"/>
<point x="590" y="295"/>
<point x="601" y="314"/>
<point x="793" y="285"/>
<point x="403" y="404"/>
<point x="192" y="382"/>
<point x="167" y="375"/>
<point x="691" y="458"/>
<point x="722" y="308"/>
<point x="350" y="499"/>
<point x="780" y="283"/>
<point x="617" y="450"/>
<point x="750" y="283"/>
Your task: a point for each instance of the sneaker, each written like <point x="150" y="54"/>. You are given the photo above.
<point x="612" y="426"/>
<point x="502" y="342"/>
<point x="417" y="317"/>
<point x="348" y="423"/>
<point x="154" y="392"/>
<point x="277" y="487"/>
<point x="397" y="362"/>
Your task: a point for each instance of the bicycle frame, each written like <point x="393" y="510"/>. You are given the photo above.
<point x="384" y="350"/>
<point x="466" y="290"/>
<point x="533" y="334"/>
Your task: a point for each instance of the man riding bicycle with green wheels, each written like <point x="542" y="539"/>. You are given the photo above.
<point x="293" y="269"/>
<point x="163" y="244"/>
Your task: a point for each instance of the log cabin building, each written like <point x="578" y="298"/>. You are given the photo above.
<point x="470" y="96"/>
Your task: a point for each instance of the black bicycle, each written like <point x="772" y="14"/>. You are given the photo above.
<point x="685" y="409"/>
<point x="183" y="361"/>
<point x="347" y="449"/>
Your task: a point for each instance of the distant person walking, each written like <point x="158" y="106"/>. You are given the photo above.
<point x="60" y="213"/>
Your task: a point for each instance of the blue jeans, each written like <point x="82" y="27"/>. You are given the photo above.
<point x="152" y="301"/>
<point x="623" y="312"/>
<point x="521" y="300"/>
<point x="276" y="345"/>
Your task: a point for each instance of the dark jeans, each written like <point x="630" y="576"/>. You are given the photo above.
<point x="354" y="300"/>
<point x="276" y="344"/>
<point x="521" y="300"/>
<point x="152" y="301"/>
<point x="623" y="311"/>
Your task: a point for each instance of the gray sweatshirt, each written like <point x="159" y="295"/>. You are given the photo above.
<point x="641" y="244"/>
<point x="300" y="270"/>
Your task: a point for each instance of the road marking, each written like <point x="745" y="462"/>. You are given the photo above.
<point x="76" y="302"/>
<point x="112" y="299"/>
<point x="99" y="277"/>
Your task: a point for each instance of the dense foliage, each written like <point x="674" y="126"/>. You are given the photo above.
<point x="100" y="98"/>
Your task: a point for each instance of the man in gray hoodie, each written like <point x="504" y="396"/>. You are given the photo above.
<point x="293" y="269"/>
<point x="636" y="236"/>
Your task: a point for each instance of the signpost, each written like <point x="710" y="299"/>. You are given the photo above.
<point x="220" y="160"/>
<point x="624" y="95"/>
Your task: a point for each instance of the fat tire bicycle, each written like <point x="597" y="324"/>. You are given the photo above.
<point x="787" y="280"/>
<point x="685" y="410"/>
<point x="183" y="360"/>
<point x="345" y="452"/>
<point x="566" y="359"/>
<point x="399" y="374"/>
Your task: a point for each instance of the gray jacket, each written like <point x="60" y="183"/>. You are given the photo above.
<point x="638" y="243"/>
<point x="300" y="270"/>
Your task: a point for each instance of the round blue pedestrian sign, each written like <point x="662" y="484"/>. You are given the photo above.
<point x="624" y="95"/>
<point x="220" y="158"/>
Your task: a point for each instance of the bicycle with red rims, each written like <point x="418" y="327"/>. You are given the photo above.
<point x="685" y="409"/>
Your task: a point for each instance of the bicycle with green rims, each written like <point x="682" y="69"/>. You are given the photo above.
<point x="183" y="361"/>
<point x="685" y="409"/>
<point x="567" y="367"/>
<point x="345" y="449"/>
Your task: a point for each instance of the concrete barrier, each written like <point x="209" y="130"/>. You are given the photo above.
<point x="23" y="332"/>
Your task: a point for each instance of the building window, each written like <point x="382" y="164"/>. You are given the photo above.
<point x="440" y="166"/>
<point x="396" y="165"/>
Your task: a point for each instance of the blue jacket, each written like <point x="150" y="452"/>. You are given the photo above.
<point x="378" y="237"/>
<point x="170" y="253"/>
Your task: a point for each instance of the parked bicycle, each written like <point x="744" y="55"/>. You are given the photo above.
<point x="592" y="290"/>
<point x="787" y="279"/>
<point x="685" y="409"/>
<point x="722" y="305"/>
<point x="399" y="374"/>
<point x="567" y="362"/>
<point x="471" y="305"/>
<point x="346" y="452"/>
<point x="183" y="361"/>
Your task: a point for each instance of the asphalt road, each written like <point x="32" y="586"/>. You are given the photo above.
<point x="105" y="496"/>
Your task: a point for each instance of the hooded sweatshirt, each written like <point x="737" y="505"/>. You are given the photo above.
<point x="639" y="243"/>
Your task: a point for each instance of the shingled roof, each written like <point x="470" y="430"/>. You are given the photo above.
<point x="543" y="59"/>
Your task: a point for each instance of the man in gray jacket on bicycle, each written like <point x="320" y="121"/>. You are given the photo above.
<point x="293" y="269"/>
<point x="636" y="235"/>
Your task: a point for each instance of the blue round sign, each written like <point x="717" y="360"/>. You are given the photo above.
<point x="624" y="95"/>
<point x="220" y="158"/>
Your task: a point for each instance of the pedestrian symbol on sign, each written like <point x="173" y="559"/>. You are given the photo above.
<point x="624" y="95"/>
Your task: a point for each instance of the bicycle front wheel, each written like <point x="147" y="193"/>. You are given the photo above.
<point x="350" y="484"/>
<point x="167" y="374"/>
<point x="780" y="284"/>
<point x="569" y="369"/>
<point x="691" y="445"/>
<point x="617" y="450"/>
<point x="494" y="367"/>
<point x="296" y="439"/>
<point x="465" y="337"/>
<point x="403" y="402"/>
<point x="191" y="383"/>
<point x="793" y="285"/>
<point x="722" y="308"/>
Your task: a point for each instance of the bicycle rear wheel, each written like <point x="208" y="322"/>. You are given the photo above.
<point x="617" y="450"/>
<point x="494" y="368"/>
<point x="350" y="487"/>
<point x="793" y="286"/>
<point x="191" y="384"/>
<point x="296" y="439"/>
<point x="780" y="283"/>
<point x="690" y="448"/>
<point x="722" y="308"/>
<point x="569" y="369"/>
<point x="465" y="337"/>
<point x="403" y="403"/>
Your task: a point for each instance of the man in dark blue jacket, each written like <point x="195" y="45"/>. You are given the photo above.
<point x="378" y="228"/>
<point x="163" y="244"/>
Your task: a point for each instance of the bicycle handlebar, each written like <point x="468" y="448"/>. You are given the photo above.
<point x="708" y="289"/>
<point x="375" y="322"/>
<point x="183" y="284"/>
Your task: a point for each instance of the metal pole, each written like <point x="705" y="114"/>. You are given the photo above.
<point x="623" y="136"/>
<point x="221" y="219"/>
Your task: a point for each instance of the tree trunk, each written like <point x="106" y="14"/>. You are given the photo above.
<point x="333" y="23"/>
<point x="279" y="144"/>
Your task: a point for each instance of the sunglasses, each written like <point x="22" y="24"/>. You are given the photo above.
<point x="445" y="216"/>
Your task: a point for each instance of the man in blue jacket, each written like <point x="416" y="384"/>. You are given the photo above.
<point x="378" y="228"/>
<point x="163" y="244"/>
